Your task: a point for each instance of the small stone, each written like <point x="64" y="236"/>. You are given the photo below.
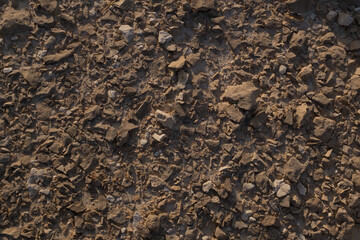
<point x="178" y="64"/>
<point x="207" y="186"/>
<point x="164" y="37"/>
<point x="270" y="221"/>
<point x="345" y="19"/>
<point x="159" y="137"/>
<point x="331" y="15"/>
<point x="152" y="222"/>
<point x="234" y="113"/>
<point x="301" y="189"/>
<point x="246" y="214"/>
<point x="7" y="70"/>
<point x="305" y="74"/>
<point x="143" y="142"/>
<point x="220" y="234"/>
<point x="356" y="180"/>
<point x="243" y="95"/>
<point x="165" y="119"/>
<point x="248" y="186"/>
<point x="284" y="190"/>
<point x="324" y="127"/>
<point x="302" y="115"/>
<point x="293" y="169"/>
<point x="321" y="99"/>
<point x="355" y="162"/>
<point x="203" y="5"/>
<point x="127" y="32"/>
<point x="282" y="69"/>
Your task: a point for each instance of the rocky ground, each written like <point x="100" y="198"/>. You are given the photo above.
<point x="201" y="119"/>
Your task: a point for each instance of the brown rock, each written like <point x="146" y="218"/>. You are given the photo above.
<point x="243" y="95"/>
<point x="165" y="119"/>
<point x="234" y="113"/>
<point x="270" y="221"/>
<point x="355" y="162"/>
<point x="356" y="180"/>
<point x="220" y="234"/>
<point x="57" y="57"/>
<point x="203" y="5"/>
<point x="178" y="64"/>
<point x="302" y="114"/>
<point x="293" y="169"/>
<point x="324" y="128"/>
<point x="152" y="222"/>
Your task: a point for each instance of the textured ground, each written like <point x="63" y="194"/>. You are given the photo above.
<point x="201" y="119"/>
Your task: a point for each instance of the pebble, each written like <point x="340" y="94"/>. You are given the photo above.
<point x="164" y="37"/>
<point x="7" y="70"/>
<point x="207" y="186"/>
<point x="248" y="186"/>
<point x="282" y="69"/>
<point x="127" y="32"/>
<point x="345" y="19"/>
<point x="284" y="190"/>
<point x="331" y="15"/>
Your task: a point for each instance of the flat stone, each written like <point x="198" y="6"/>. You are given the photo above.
<point x="178" y="64"/>
<point x="345" y="19"/>
<point x="321" y="99"/>
<point x="293" y="169"/>
<point x="270" y="221"/>
<point x="164" y="37"/>
<point x="207" y="186"/>
<point x="243" y="95"/>
<point x="127" y="32"/>
<point x="165" y="119"/>
<point x="203" y="5"/>
<point x="284" y="190"/>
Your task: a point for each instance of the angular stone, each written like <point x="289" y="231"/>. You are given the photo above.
<point x="284" y="189"/>
<point x="127" y="32"/>
<point x="15" y="21"/>
<point x="324" y="128"/>
<point x="165" y="119"/>
<point x="57" y="57"/>
<point x="345" y="19"/>
<point x="321" y="99"/>
<point x="207" y="186"/>
<point x="164" y="37"/>
<point x="4" y="157"/>
<point x="298" y="40"/>
<point x="31" y="74"/>
<point x="203" y="5"/>
<point x="178" y="64"/>
<point x="270" y="221"/>
<point x="354" y="82"/>
<point x="293" y="169"/>
<point x="356" y="180"/>
<point x="220" y="234"/>
<point x="305" y="74"/>
<point x="243" y="95"/>
<point x="234" y="113"/>
<point x="302" y="114"/>
<point x="355" y="162"/>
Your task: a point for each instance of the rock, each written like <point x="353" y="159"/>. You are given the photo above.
<point x="321" y="99"/>
<point x="48" y="5"/>
<point x="127" y="32"/>
<point x="248" y="186"/>
<point x="284" y="189"/>
<point x="270" y="221"/>
<point x="4" y="157"/>
<point x="355" y="162"/>
<point x="203" y="5"/>
<point x="220" y="234"/>
<point x="164" y="37"/>
<point x="302" y="115"/>
<point x="305" y="74"/>
<point x="298" y="41"/>
<point x="301" y="189"/>
<point x="7" y="70"/>
<point x="31" y="74"/>
<point x="234" y="113"/>
<point x="354" y="45"/>
<point x="13" y="232"/>
<point x="282" y="69"/>
<point x="293" y="169"/>
<point x="124" y="4"/>
<point x="354" y="82"/>
<point x="111" y="134"/>
<point x="178" y="64"/>
<point x="15" y="21"/>
<point x="57" y="57"/>
<point x="152" y="222"/>
<point x="243" y="95"/>
<point x="331" y="15"/>
<point x="328" y="38"/>
<point x="345" y="19"/>
<point x="207" y="186"/>
<point x="155" y="182"/>
<point x="165" y="119"/>
<point x="356" y="180"/>
<point x="324" y="128"/>
<point x="158" y="137"/>
<point x="124" y="132"/>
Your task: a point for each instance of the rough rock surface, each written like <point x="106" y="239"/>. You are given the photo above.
<point x="171" y="120"/>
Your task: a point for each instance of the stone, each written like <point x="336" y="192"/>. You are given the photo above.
<point x="298" y="41"/>
<point x="31" y="74"/>
<point x="328" y="38"/>
<point x="164" y="37"/>
<point x="57" y="57"/>
<point x="301" y="189"/>
<point x="203" y="5"/>
<point x="7" y="70"/>
<point x="302" y="114"/>
<point x="355" y="162"/>
<point x="4" y="157"/>
<point x="282" y="69"/>
<point x="321" y="99"/>
<point x="111" y="134"/>
<point x="354" y="45"/>
<point x="48" y="5"/>
<point x="207" y="186"/>
<point x="152" y="222"/>
<point x="15" y="21"/>
<point x="324" y="127"/>
<point x="178" y="64"/>
<point x="354" y="82"/>
<point x="293" y="169"/>
<point x="345" y="19"/>
<point x="331" y="15"/>
<point x="284" y="189"/>
<point x="270" y="221"/>
<point x="127" y="32"/>
<point x="243" y="95"/>
<point x="248" y="186"/>
<point x="305" y="74"/>
<point x="159" y="137"/>
<point x="220" y="234"/>
<point x="234" y="113"/>
<point x="165" y="119"/>
<point x="356" y="180"/>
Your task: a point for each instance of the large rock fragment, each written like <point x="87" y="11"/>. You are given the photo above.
<point x="243" y="95"/>
<point x="165" y="119"/>
<point x="13" y="21"/>
<point x="293" y="169"/>
<point x="324" y="128"/>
